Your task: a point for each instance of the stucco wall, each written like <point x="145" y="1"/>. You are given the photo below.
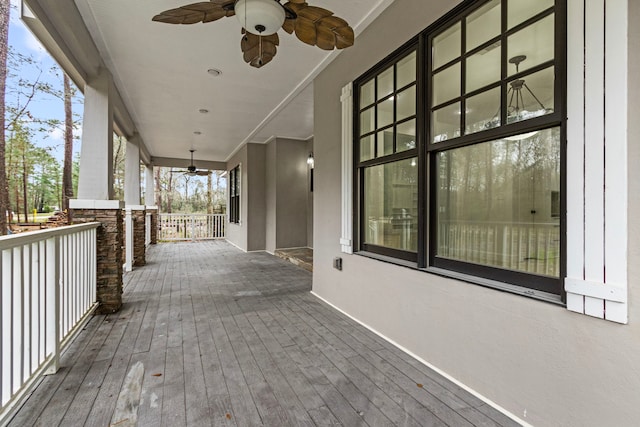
<point x="291" y="181"/>
<point x="539" y="361"/>
<point x="270" y="196"/>
<point x="256" y="207"/>
<point x="286" y="191"/>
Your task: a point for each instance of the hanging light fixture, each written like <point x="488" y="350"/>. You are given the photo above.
<point x="260" y="17"/>
<point x="516" y="110"/>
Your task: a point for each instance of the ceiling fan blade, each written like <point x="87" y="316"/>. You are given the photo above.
<point x="202" y="173"/>
<point x="343" y="32"/>
<point x="206" y="11"/>
<point x="306" y="31"/>
<point x="250" y="46"/>
<point x="313" y="13"/>
<point x="316" y="26"/>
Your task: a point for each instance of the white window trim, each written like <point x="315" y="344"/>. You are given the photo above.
<point x="346" y="241"/>
<point x="597" y="223"/>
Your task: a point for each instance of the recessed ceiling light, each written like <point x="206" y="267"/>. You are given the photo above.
<point x="197" y="132"/>
<point x="203" y="110"/>
<point x="214" y="72"/>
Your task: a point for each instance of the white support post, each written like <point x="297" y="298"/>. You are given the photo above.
<point x="96" y="156"/>
<point x="150" y="188"/>
<point x="132" y="172"/>
<point x="346" y="240"/>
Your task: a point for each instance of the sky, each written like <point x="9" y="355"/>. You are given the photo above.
<point x="43" y="106"/>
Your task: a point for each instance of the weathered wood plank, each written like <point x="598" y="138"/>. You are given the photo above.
<point x="234" y="339"/>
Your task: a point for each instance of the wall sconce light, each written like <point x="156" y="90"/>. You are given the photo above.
<point x="311" y="163"/>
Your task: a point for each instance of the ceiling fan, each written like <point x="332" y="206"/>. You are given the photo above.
<point x="191" y="169"/>
<point x="261" y="19"/>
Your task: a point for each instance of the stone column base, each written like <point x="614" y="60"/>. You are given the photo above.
<point x="153" y="210"/>
<point x="139" y="231"/>
<point x="110" y="238"/>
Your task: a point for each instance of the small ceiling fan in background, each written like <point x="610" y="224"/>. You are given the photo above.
<point x="191" y="169"/>
<point x="261" y="19"/>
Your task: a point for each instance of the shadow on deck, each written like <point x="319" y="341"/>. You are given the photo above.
<point x="235" y="339"/>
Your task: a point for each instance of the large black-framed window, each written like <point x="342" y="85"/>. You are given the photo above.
<point x="234" y="195"/>
<point x="489" y="146"/>
<point x="386" y="155"/>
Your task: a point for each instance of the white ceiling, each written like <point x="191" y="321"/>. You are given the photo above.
<point x="161" y="73"/>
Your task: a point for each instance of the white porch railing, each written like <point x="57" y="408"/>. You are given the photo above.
<point x="529" y="247"/>
<point x="48" y="290"/>
<point x="191" y="227"/>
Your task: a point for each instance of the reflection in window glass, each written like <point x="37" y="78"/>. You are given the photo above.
<point x="391" y="205"/>
<point x="367" y="148"/>
<point x="406" y="103"/>
<point x="531" y="96"/>
<point x="367" y="91"/>
<point x="483" y="68"/>
<point x="483" y="111"/>
<point x="406" y="136"/>
<point x="406" y="71"/>
<point x="483" y="24"/>
<point x="385" y="112"/>
<point x="496" y="203"/>
<point x="446" y="84"/>
<point x="446" y="46"/>
<point x="446" y="123"/>
<point x="519" y="11"/>
<point x="385" y="142"/>
<point x="367" y="121"/>
<point x="385" y="83"/>
<point x="535" y="42"/>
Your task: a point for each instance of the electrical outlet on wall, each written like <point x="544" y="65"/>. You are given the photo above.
<point x="337" y="263"/>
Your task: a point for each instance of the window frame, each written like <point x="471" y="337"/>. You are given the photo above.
<point x="360" y="167"/>
<point x="545" y="287"/>
<point x="234" y="195"/>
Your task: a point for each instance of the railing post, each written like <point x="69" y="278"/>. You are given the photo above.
<point x="128" y="225"/>
<point x="52" y="307"/>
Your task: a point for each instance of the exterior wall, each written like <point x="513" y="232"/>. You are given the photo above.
<point x="286" y="194"/>
<point x="256" y="192"/>
<point x="538" y="361"/>
<point x="270" y="196"/>
<point x="291" y="181"/>
<point x="249" y="235"/>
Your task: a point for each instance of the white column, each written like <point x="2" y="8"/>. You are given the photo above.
<point x="96" y="155"/>
<point x="150" y="188"/>
<point x="132" y="172"/>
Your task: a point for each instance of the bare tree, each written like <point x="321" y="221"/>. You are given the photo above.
<point x="5" y="8"/>
<point x="67" y="181"/>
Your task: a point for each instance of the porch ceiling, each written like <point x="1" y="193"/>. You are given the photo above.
<point x="160" y="71"/>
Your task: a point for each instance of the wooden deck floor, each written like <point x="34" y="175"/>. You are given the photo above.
<point x="234" y="339"/>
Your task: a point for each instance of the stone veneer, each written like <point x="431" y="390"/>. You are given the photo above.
<point x="139" y="237"/>
<point x="153" y="210"/>
<point x="110" y="239"/>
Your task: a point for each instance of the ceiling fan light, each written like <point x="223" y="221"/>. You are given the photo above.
<point x="260" y="17"/>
